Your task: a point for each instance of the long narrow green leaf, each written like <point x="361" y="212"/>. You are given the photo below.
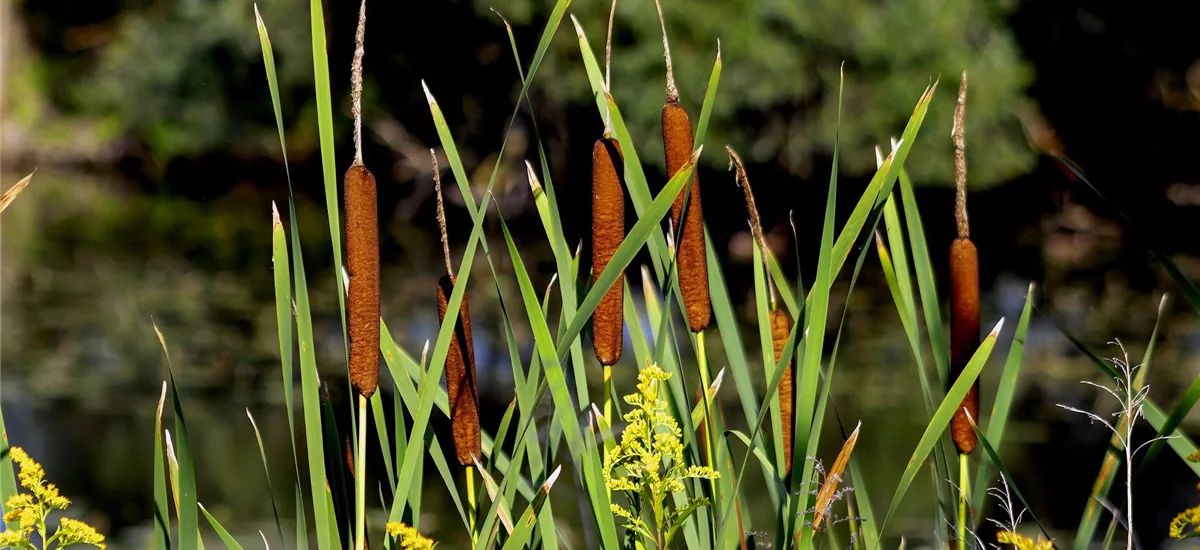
<point x="926" y="281"/>
<point x="814" y="335"/>
<point x="328" y="163"/>
<point x="994" y="457"/>
<point x="1005" y="392"/>
<point x="162" y="519"/>
<point x="523" y="529"/>
<point x="941" y="418"/>
<point x="188" y="518"/>
<point x="1181" y="409"/>
<point x="262" y="453"/>
<point x="563" y="408"/>
<point x="226" y="538"/>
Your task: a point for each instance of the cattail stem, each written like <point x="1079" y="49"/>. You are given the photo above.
<point x="608" y="394"/>
<point x="360" y="478"/>
<point x="608" y="67"/>
<point x="441" y="214"/>
<point x="356" y="81"/>
<point x="963" y="480"/>
<point x="672" y="91"/>
<point x="471" y="503"/>
<point x="960" y="161"/>
<point x="705" y="382"/>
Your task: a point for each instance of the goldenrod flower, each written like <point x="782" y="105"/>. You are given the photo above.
<point x="408" y="537"/>
<point x="1022" y="542"/>
<point x="650" y="455"/>
<point x="29" y="511"/>
<point x="1186" y="524"/>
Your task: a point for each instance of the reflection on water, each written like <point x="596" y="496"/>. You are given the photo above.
<point x="86" y="264"/>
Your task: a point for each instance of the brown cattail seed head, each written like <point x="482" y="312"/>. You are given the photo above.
<point x="780" y="328"/>
<point x="693" y="260"/>
<point x="964" y="336"/>
<point x="362" y="263"/>
<point x="608" y="230"/>
<point x="460" y="377"/>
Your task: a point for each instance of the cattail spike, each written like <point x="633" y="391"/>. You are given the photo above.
<point x="960" y="160"/>
<point x="672" y="91"/>
<point x="362" y="263"/>
<point x="780" y="329"/>
<point x="608" y="230"/>
<point x="356" y="80"/>
<point x="441" y="213"/>
<point x="679" y="145"/>
<point x="460" y="377"/>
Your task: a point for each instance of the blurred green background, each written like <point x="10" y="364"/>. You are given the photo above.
<point x="150" y="127"/>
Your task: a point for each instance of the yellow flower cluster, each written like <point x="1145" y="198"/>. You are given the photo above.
<point x="650" y="455"/>
<point x="28" y="511"/>
<point x="409" y="537"/>
<point x="1186" y="524"/>
<point x="1022" y="542"/>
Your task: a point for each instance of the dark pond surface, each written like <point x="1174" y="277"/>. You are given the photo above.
<point x="88" y="263"/>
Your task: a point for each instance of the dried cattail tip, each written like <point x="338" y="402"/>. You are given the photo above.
<point x="693" y="260"/>
<point x="608" y="230"/>
<point x="362" y="262"/>
<point x="964" y="336"/>
<point x="780" y="328"/>
<point x="460" y="377"/>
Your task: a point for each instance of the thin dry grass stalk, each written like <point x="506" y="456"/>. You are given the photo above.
<point x="964" y="288"/>
<point x="780" y="328"/>
<point x="362" y="262"/>
<point x="743" y="181"/>
<point x="608" y="230"/>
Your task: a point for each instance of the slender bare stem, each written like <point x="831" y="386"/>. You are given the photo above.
<point x="960" y="160"/>
<point x="441" y="214"/>
<point x="608" y="69"/>
<point x="356" y="81"/>
<point x="672" y="91"/>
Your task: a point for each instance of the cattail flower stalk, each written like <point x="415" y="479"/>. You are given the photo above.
<point x="964" y="311"/>
<point x="678" y="142"/>
<point x="362" y="261"/>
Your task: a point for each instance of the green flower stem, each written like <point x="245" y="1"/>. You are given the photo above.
<point x="360" y="478"/>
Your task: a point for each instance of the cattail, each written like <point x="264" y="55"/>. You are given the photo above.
<point x="460" y="357"/>
<point x="678" y="143"/>
<point x="964" y="288"/>
<point x="608" y="230"/>
<point x="362" y="244"/>
<point x="780" y="328"/>
<point x="362" y="262"/>
<point x="608" y="227"/>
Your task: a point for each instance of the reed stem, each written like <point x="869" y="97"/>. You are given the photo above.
<point x="360" y="478"/>
<point x="471" y="512"/>
<point x="705" y="381"/>
<point x="608" y="392"/>
<point x="963" y="489"/>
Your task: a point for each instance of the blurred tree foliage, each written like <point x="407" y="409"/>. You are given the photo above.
<point x="778" y="90"/>
<point x="185" y="75"/>
<point x="184" y="78"/>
